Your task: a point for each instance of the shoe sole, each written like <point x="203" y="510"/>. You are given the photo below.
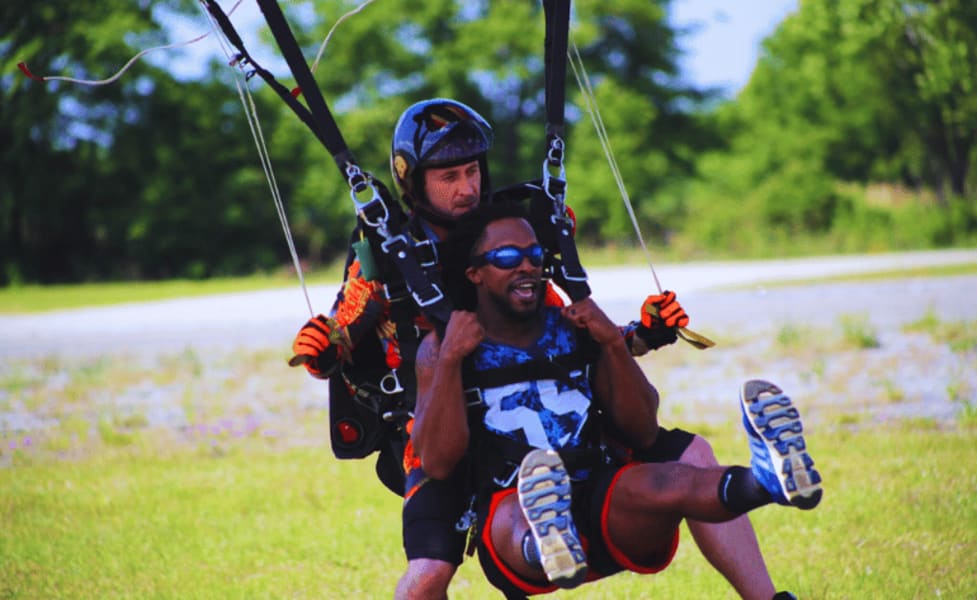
<point x="544" y="496"/>
<point x="777" y="423"/>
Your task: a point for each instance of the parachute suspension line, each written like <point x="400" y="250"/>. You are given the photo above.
<point x="97" y="82"/>
<point x="250" y="110"/>
<point x="325" y="42"/>
<point x="583" y="81"/>
<point x="590" y="104"/>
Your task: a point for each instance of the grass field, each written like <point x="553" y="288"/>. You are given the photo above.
<point x="105" y="496"/>
<point x="191" y="475"/>
<point x="162" y="516"/>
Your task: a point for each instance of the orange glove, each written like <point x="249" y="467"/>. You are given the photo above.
<point x="661" y="316"/>
<point x="313" y="340"/>
<point x="357" y="295"/>
<point x="663" y="310"/>
<point x="360" y="311"/>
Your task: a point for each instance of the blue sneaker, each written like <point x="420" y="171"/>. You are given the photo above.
<point x="780" y="460"/>
<point x="544" y="496"/>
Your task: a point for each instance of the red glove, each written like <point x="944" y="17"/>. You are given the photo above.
<point x="663" y="310"/>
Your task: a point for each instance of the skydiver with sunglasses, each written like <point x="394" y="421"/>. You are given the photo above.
<point x="366" y="349"/>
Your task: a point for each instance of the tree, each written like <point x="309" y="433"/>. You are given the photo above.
<point x="54" y="134"/>
<point x="880" y="89"/>
<point x="490" y="55"/>
<point x="158" y="177"/>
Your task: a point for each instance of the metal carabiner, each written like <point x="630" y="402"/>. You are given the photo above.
<point x="554" y="155"/>
<point x="358" y="181"/>
<point x="548" y="177"/>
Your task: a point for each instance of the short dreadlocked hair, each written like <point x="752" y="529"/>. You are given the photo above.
<point x="459" y="248"/>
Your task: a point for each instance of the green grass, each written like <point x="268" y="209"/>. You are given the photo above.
<point x="39" y="298"/>
<point x="240" y="497"/>
<point x="260" y="519"/>
<point x="961" y="336"/>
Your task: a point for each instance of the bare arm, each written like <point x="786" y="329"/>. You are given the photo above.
<point x="620" y="386"/>
<point x="440" y="435"/>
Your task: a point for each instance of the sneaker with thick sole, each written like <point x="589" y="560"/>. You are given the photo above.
<point x="780" y="460"/>
<point x="544" y="496"/>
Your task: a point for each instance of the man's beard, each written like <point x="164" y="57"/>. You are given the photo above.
<point x="434" y="215"/>
<point x="526" y="315"/>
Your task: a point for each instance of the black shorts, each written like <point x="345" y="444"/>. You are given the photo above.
<point x="432" y="508"/>
<point x="590" y="501"/>
<point x="668" y="446"/>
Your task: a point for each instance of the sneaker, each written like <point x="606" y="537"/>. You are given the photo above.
<point x="780" y="460"/>
<point x="544" y="496"/>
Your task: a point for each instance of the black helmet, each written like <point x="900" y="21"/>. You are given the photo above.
<point x="437" y="133"/>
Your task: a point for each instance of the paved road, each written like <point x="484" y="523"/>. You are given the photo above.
<point x="270" y="318"/>
<point x="909" y="375"/>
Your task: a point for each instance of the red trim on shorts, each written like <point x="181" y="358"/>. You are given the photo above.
<point x="615" y="552"/>
<point x="413" y="489"/>
<point x="513" y="577"/>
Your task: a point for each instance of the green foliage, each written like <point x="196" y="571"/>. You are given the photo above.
<point x="858" y="332"/>
<point x="158" y="178"/>
<point x="961" y="336"/>
<point x="848" y="98"/>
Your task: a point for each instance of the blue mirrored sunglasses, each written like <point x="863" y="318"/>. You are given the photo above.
<point x="510" y="257"/>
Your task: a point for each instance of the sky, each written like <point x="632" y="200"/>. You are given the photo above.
<point x="725" y="45"/>
<point x="720" y="50"/>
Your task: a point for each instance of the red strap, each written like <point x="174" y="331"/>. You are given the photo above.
<point x="23" y="67"/>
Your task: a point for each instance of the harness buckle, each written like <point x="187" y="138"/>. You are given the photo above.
<point x="390" y="383"/>
<point x="427" y="253"/>
<point x="578" y="276"/>
<point x="433" y="294"/>
<point x="394" y="415"/>
<point x="473" y="397"/>
<point x="467" y="519"/>
<point x="504" y="483"/>
<point x="397" y="244"/>
<point x="396" y="291"/>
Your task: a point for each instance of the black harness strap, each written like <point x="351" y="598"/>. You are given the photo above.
<point x="500" y="456"/>
<point x="297" y="107"/>
<point x="555" y="61"/>
<point x="562" y="368"/>
<point x="324" y="121"/>
<point x="381" y="214"/>
<point x="569" y="273"/>
<point x="395" y="244"/>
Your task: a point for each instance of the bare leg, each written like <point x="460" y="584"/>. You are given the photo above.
<point x="648" y="503"/>
<point x="509" y="526"/>
<point x="730" y="547"/>
<point x="425" y="579"/>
